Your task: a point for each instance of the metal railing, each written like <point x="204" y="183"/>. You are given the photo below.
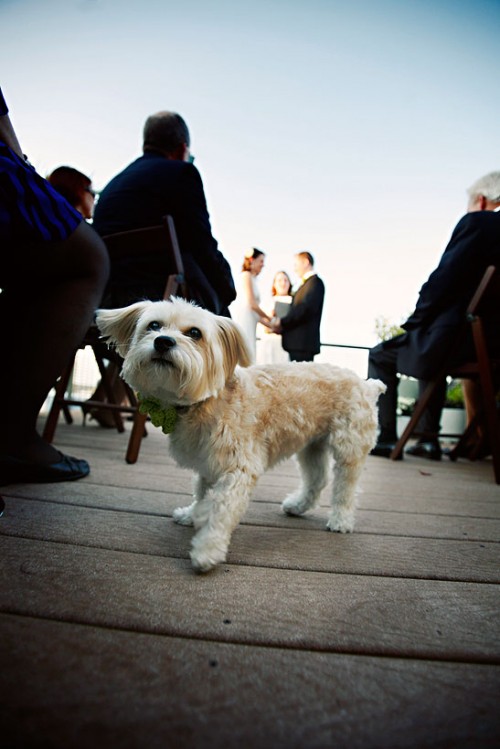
<point x="86" y="374"/>
<point x="345" y="345"/>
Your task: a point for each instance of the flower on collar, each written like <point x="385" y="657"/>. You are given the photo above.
<point x="166" y="418"/>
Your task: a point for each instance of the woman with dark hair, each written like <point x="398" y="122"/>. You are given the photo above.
<point x="75" y="187"/>
<point x="246" y="310"/>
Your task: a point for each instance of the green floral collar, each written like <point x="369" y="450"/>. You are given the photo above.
<point x="166" y="418"/>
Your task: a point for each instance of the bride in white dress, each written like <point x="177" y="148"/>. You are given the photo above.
<point x="246" y="310"/>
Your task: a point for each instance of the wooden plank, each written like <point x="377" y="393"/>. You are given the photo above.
<point x="75" y="686"/>
<point x="239" y="604"/>
<point x="410" y="484"/>
<point x="178" y="490"/>
<point x="443" y="480"/>
<point x="290" y="547"/>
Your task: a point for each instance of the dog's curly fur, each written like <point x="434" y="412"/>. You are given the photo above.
<point x="234" y="423"/>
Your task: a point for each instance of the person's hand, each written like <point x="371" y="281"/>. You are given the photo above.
<point x="275" y="325"/>
<point x="265" y="320"/>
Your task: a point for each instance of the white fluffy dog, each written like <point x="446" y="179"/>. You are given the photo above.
<point x="231" y="424"/>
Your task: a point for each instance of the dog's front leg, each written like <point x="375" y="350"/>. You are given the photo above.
<point x="226" y="503"/>
<point x="345" y="479"/>
<point x="192" y="514"/>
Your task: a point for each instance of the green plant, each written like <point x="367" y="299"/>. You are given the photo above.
<point x="384" y="329"/>
<point x="454" y="395"/>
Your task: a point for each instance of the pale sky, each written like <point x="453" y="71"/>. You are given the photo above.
<point x="349" y="129"/>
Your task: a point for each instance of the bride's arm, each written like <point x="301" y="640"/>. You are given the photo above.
<point x="251" y="300"/>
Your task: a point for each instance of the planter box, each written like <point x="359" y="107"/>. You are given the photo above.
<point x="402" y="424"/>
<point x="452" y="422"/>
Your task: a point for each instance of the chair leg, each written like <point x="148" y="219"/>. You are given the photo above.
<point x="135" y="439"/>
<point x="492" y="429"/>
<point x="67" y="414"/>
<point x="60" y="390"/>
<point x="488" y="392"/>
<point x="460" y="449"/>
<point x="417" y="413"/>
<point x="108" y="388"/>
<point x="138" y="430"/>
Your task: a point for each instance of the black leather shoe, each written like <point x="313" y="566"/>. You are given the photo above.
<point x="384" y="450"/>
<point x="429" y="450"/>
<point x="16" y="471"/>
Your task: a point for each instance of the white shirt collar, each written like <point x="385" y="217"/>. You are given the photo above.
<point x="308" y="275"/>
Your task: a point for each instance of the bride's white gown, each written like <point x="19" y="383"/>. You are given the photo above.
<point x="242" y="313"/>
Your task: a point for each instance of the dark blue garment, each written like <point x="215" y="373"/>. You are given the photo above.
<point x="30" y="208"/>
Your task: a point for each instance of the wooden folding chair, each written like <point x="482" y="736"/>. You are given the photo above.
<point x="151" y="241"/>
<point x="483" y="368"/>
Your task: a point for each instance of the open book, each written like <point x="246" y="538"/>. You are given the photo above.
<point x="281" y="309"/>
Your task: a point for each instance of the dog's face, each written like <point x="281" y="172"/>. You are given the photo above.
<point x="174" y="351"/>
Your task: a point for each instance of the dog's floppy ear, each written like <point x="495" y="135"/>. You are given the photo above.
<point x="233" y="344"/>
<point x="118" y="325"/>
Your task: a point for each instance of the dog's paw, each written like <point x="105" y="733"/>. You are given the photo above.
<point x="294" y="505"/>
<point x="207" y="553"/>
<point x="341" y="522"/>
<point x="183" y="515"/>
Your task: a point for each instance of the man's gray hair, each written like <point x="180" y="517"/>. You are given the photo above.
<point x="488" y="186"/>
<point x="165" y="131"/>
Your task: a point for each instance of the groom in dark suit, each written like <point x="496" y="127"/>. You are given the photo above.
<point x="164" y="181"/>
<point x="431" y="330"/>
<point x="300" y="327"/>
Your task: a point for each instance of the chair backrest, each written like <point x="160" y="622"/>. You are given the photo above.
<point x="158" y="240"/>
<point x="486" y="301"/>
<point x="483" y="314"/>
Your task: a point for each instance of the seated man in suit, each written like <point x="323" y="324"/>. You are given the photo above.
<point x="300" y="327"/>
<point x="164" y="181"/>
<point x="431" y="331"/>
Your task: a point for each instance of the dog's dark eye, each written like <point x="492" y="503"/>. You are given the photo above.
<point x="194" y="333"/>
<point x="154" y="325"/>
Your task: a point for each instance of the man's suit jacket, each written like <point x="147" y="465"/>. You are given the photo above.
<point x="300" y="327"/>
<point x="439" y="315"/>
<point x="140" y="196"/>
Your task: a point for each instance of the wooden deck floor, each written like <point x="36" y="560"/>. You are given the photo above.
<point x="389" y="637"/>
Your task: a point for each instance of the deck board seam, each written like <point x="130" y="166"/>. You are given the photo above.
<point x="299" y="647"/>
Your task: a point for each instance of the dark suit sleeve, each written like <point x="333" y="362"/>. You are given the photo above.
<point x="308" y="305"/>
<point x="193" y="225"/>
<point x="3" y="105"/>
<point x="457" y="275"/>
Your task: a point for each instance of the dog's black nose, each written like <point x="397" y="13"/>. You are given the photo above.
<point x="164" y="343"/>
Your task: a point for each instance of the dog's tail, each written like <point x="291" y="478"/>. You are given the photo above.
<point x="374" y="388"/>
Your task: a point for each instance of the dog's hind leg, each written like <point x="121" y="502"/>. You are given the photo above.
<point x="226" y="504"/>
<point x="190" y="515"/>
<point x="314" y="463"/>
<point x="345" y="479"/>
